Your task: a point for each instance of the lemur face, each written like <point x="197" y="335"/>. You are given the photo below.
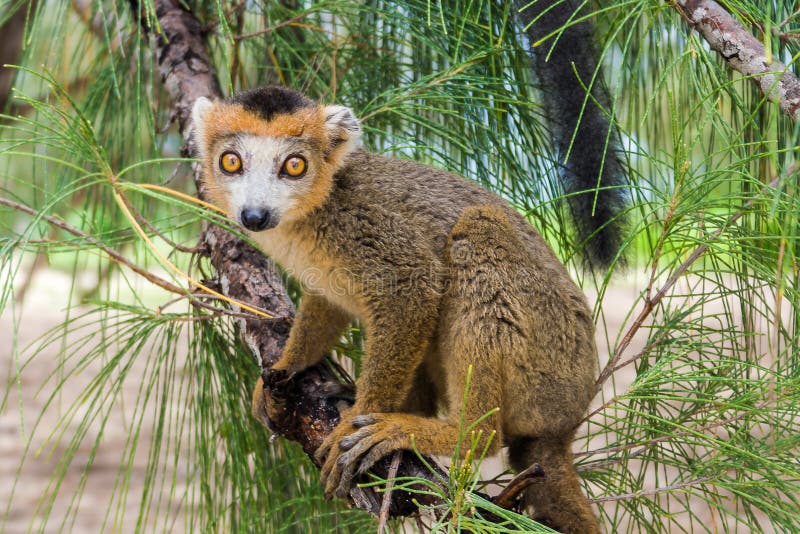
<point x="269" y="155"/>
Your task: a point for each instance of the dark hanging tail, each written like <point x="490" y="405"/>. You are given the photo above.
<point x="565" y="64"/>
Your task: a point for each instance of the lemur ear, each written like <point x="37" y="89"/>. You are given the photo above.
<point x="199" y="112"/>
<point x="343" y="129"/>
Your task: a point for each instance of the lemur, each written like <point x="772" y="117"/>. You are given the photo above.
<point x="443" y="275"/>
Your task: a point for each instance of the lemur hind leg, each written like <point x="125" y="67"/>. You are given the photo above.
<point x="557" y="500"/>
<point x="478" y="328"/>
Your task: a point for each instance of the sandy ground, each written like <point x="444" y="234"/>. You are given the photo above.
<point x="21" y="503"/>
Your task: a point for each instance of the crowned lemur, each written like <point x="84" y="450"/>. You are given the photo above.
<point x="443" y="274"/>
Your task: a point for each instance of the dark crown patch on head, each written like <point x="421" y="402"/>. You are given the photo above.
<point x="266" y="102"/>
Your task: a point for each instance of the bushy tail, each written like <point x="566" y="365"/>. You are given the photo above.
<point x="557" y="499"/>
<point x="565" y="65"/>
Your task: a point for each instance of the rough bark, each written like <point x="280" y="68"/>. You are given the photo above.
<point x="743" y="52"/>
<point x="303" y="409"/>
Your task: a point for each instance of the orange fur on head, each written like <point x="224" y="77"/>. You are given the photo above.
<point x="227" y="119"/>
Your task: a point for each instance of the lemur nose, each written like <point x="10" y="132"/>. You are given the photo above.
<point x="255" y="219"/>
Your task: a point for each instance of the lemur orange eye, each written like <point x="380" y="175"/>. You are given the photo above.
<point x="294" y="166"/>
<point x="230" y="162"/>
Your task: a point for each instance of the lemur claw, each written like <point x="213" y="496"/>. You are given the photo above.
<point x="322" y="452"/>
<point x="356" y="444"/>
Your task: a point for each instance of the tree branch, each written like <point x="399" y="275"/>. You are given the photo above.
<point x="305" y="408"/>
<point x="113" y="254"/>
<point x="743" y="52"/>
<point x="650" y="303"/>
<point x="655" y="491"/>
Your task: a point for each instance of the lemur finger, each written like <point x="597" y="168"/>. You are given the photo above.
<point x="278" y="378"/>
<point x="375" y="453"/>
<point x="345" y="479"/>
<point x="325" y="448"/>
<point x="348" y="462"/>
<point x="325" y="474"/>
<point x="321" y="454"/>
<point x="334" y="478"/>
<point x="351" y="456"/>
<point x="347" y="442"/>
<point x="364" y="420"/>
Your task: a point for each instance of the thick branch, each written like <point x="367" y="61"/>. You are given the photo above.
<point x="303" y="409"/>
<point x="743" y="52"/>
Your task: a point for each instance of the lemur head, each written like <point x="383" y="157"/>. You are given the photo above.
<point x="270" y="154"/>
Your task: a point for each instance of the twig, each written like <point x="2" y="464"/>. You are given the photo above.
<point x="197" y="298"/>
<point x="673" y="203"/>
<point x="116" y="256"/>
<point x="233" y="10"/>
<point x="157" y="280"/>
<point x="645" y="350"/>
<point x="150" y="226"/>
<point x="650" y="304"/>
<point x="383" y="517"/>
<point x="508" y="496"/>
<point x="743" y="52"/>
<point x="654" y="491"/>
<point x="497" y="480"/>
<point x="643" y="446"/>
<point x="789" y="37"/>
<point x="197" y="303"/>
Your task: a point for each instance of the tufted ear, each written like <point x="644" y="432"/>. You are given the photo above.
<point x="199" y="113"/>
<point x="343" y="130"/>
